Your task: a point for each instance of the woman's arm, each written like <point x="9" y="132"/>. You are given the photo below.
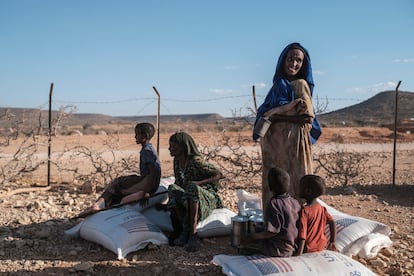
<point x="297" y="119"/>
<point x="201" y="172"/>
<point x="211" y="179"/>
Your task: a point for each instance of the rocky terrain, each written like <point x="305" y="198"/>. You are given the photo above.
<point x="32" y="239"/>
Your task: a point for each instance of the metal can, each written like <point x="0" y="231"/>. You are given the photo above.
<point x="256" y="224"/>
<point x="262" y="126"/>
<point x="240" y="228"/>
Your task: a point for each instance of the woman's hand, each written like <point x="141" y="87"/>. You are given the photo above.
<point x="301" y="106"/>
<point x="211" y="179"/>
<point x="297" y="119"/>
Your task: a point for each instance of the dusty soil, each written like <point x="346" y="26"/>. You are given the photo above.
<point x="32" y="224"/>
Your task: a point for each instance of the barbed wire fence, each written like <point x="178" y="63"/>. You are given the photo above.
<point x="106" y="164"/>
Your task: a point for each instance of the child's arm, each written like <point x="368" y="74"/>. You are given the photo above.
<point x="145" y="183"/>
<point x="263" y="235"/>
<point x="250" y="238"/>
<point x="332" y="239"/>
<point x="301" y="247"/>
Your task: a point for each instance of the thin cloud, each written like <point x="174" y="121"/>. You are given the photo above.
<point x="220" y="91"/>
<point x="375" y="88"/>
<point x="260" y="85"/>
<point x="231" y="67"/>
<point x="318" y="72"/>
<point x="403" y="60"/>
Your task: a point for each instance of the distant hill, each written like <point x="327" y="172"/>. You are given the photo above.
<point x="376" y="111"/>
<point x="207" y="118"/>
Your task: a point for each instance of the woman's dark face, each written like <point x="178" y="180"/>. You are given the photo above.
<point x="293" y="63"/>
<point x="175" y="149"/>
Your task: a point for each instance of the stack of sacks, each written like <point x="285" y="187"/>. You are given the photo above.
<point x="358" y="236"/>
<point x="132" y="227"/>
<point x="355" y="236"/>
<point x="218" y="223"/>
<point x="123" y="230"/>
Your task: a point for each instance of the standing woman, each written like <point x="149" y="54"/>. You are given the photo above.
<point x="193" y="195"/>
<point x="294" y="126"/>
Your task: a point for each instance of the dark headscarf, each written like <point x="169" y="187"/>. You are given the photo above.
<point x="185" y="140"/>
<point x="281" y="92"/>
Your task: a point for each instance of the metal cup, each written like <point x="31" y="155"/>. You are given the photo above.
<point x="240" y="228"/>
<point x="262" y="126"/>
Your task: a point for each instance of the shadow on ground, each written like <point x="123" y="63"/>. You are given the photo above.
<point x="402" y="195"/>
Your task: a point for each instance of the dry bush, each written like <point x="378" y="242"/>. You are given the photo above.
<point x="25" y="160"/>
<point x="342" y="165"/>
<point x="99" y="166"/>
<point x="79" y="161"/>
<point x="233" y="158"/>
<point x="229" y="152"/>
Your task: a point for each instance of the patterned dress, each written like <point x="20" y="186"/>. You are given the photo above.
<point x="183" y="189"/>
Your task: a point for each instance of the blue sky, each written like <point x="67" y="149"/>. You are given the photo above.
<point x="202" y="56"/>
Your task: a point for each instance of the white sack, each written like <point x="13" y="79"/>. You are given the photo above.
<point x="368" y="246"/>
<point x="247" y="202"/>
<point x="163" y="198"/>
<point x="218" y="223"/>
<point x="121" y="230"/>
<point x="325" y="263"/>
<point x="353" y="233"/>
<point x="160" y="218"/>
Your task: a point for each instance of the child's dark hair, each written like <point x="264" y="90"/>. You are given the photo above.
<point x="279" y="181"/>
<point x="312" y="186"/>
<point x="146" y="129"/>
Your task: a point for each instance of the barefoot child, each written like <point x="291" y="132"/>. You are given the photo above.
<point x="129" y="188"/>
<point x="314" y="217"/>
<point x="281" y="216"/>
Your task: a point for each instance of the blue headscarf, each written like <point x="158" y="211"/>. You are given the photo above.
<point x="281" y="92"/>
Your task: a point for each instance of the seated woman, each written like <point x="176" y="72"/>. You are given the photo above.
<point x="194" y="194"/>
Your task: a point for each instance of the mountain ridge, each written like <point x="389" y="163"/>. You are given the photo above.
<point x="377" y="111"/>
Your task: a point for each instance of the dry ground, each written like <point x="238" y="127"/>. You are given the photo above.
<point x="32" y="224"/>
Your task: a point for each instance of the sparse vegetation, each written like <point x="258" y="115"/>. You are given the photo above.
<point x="34" y="218"/>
